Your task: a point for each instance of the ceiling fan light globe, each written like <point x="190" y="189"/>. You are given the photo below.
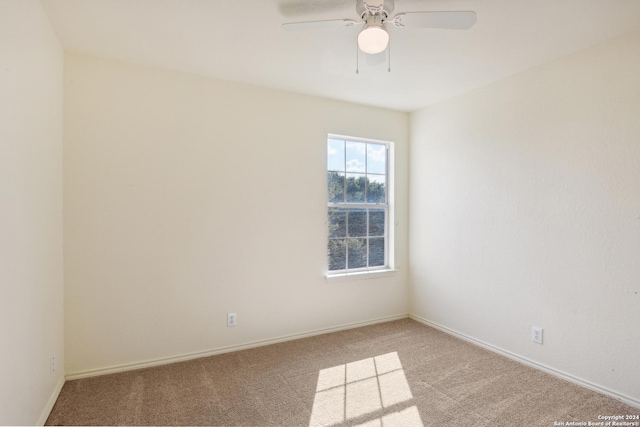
<point x="373" y="40"/>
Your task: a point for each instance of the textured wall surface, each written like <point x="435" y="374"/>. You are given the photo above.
<point x="31" y="288"/>
<point x="187" y="198"/>
<point x="525" y="210"/>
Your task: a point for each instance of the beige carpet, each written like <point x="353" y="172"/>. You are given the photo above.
<point x="398" y="373"/>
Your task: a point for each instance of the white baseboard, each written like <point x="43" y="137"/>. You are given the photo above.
<point x="568" y="377"/>
<point x="46" y="411"/>
<point x="221" y="350"/>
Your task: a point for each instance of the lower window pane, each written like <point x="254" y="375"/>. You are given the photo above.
<point x="337" y="254"/>
<point x="357" y="223"/>
<point x="335" y="183"/>
<point x="376" y="222"/>
<point x="357" y="253"/>
<point x="337" y="222"/>
<point x="376" y="252"/>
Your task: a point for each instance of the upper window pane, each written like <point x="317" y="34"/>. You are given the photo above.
<point x="376" y="189"/>
<point x="335" y="155"/>
<point x="376" y="158"/>
<point x="356" y="156"/>
<point x="356" y="187"/>
<point x="335" y="186"/>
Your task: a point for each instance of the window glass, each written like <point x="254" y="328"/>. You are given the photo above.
<point x="335" y="155"/>
<point x="356" y="187"/>
<point x="377" y="221"/>
<point x="356" y="156"/>
<point x="335" y="186"/>
<point x="357" y="224"/>
<point x="376" y="159"/>
<point x="376" y="188"/>
<point x="357" y="203"/>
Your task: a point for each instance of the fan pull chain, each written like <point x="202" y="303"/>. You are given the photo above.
<point x="389" y="57"/>
<point x="357" y="59"/>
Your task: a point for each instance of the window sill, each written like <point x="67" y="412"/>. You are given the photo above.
<point x="361" y="275"/>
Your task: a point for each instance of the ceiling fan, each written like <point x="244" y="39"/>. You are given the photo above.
<point x="376" y="14"/>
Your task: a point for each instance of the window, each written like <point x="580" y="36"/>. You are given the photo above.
<point x="357" y="204"/>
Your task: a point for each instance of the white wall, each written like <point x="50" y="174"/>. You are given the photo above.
<point x="31" y="289"/>
<point x="525" y="210"/>
<point x="186" y="198"/>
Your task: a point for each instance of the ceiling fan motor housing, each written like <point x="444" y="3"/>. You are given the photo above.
<point x="364" y="6"/>
<point x="374" y="20"/>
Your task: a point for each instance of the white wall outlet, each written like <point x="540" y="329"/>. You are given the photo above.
<point x="232" y="319"/>
<point x="52" y="365"/>
<point x="536" y="334"/>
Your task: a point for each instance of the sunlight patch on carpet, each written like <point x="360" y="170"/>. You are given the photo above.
<point x="364" y="388"/>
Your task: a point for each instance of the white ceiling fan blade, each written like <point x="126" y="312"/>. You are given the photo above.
<point x="319" y="25"/>
<point x="454" y="20"/>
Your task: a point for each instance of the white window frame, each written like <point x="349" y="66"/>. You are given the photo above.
<point x="389" y="247"/>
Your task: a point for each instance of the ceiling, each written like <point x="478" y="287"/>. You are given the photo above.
<point x="241" y="40"/>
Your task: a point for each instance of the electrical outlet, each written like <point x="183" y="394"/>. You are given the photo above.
<point x="536" y="334"/>
<point x="52" y="365"/>
<point x="232" y="319"/>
